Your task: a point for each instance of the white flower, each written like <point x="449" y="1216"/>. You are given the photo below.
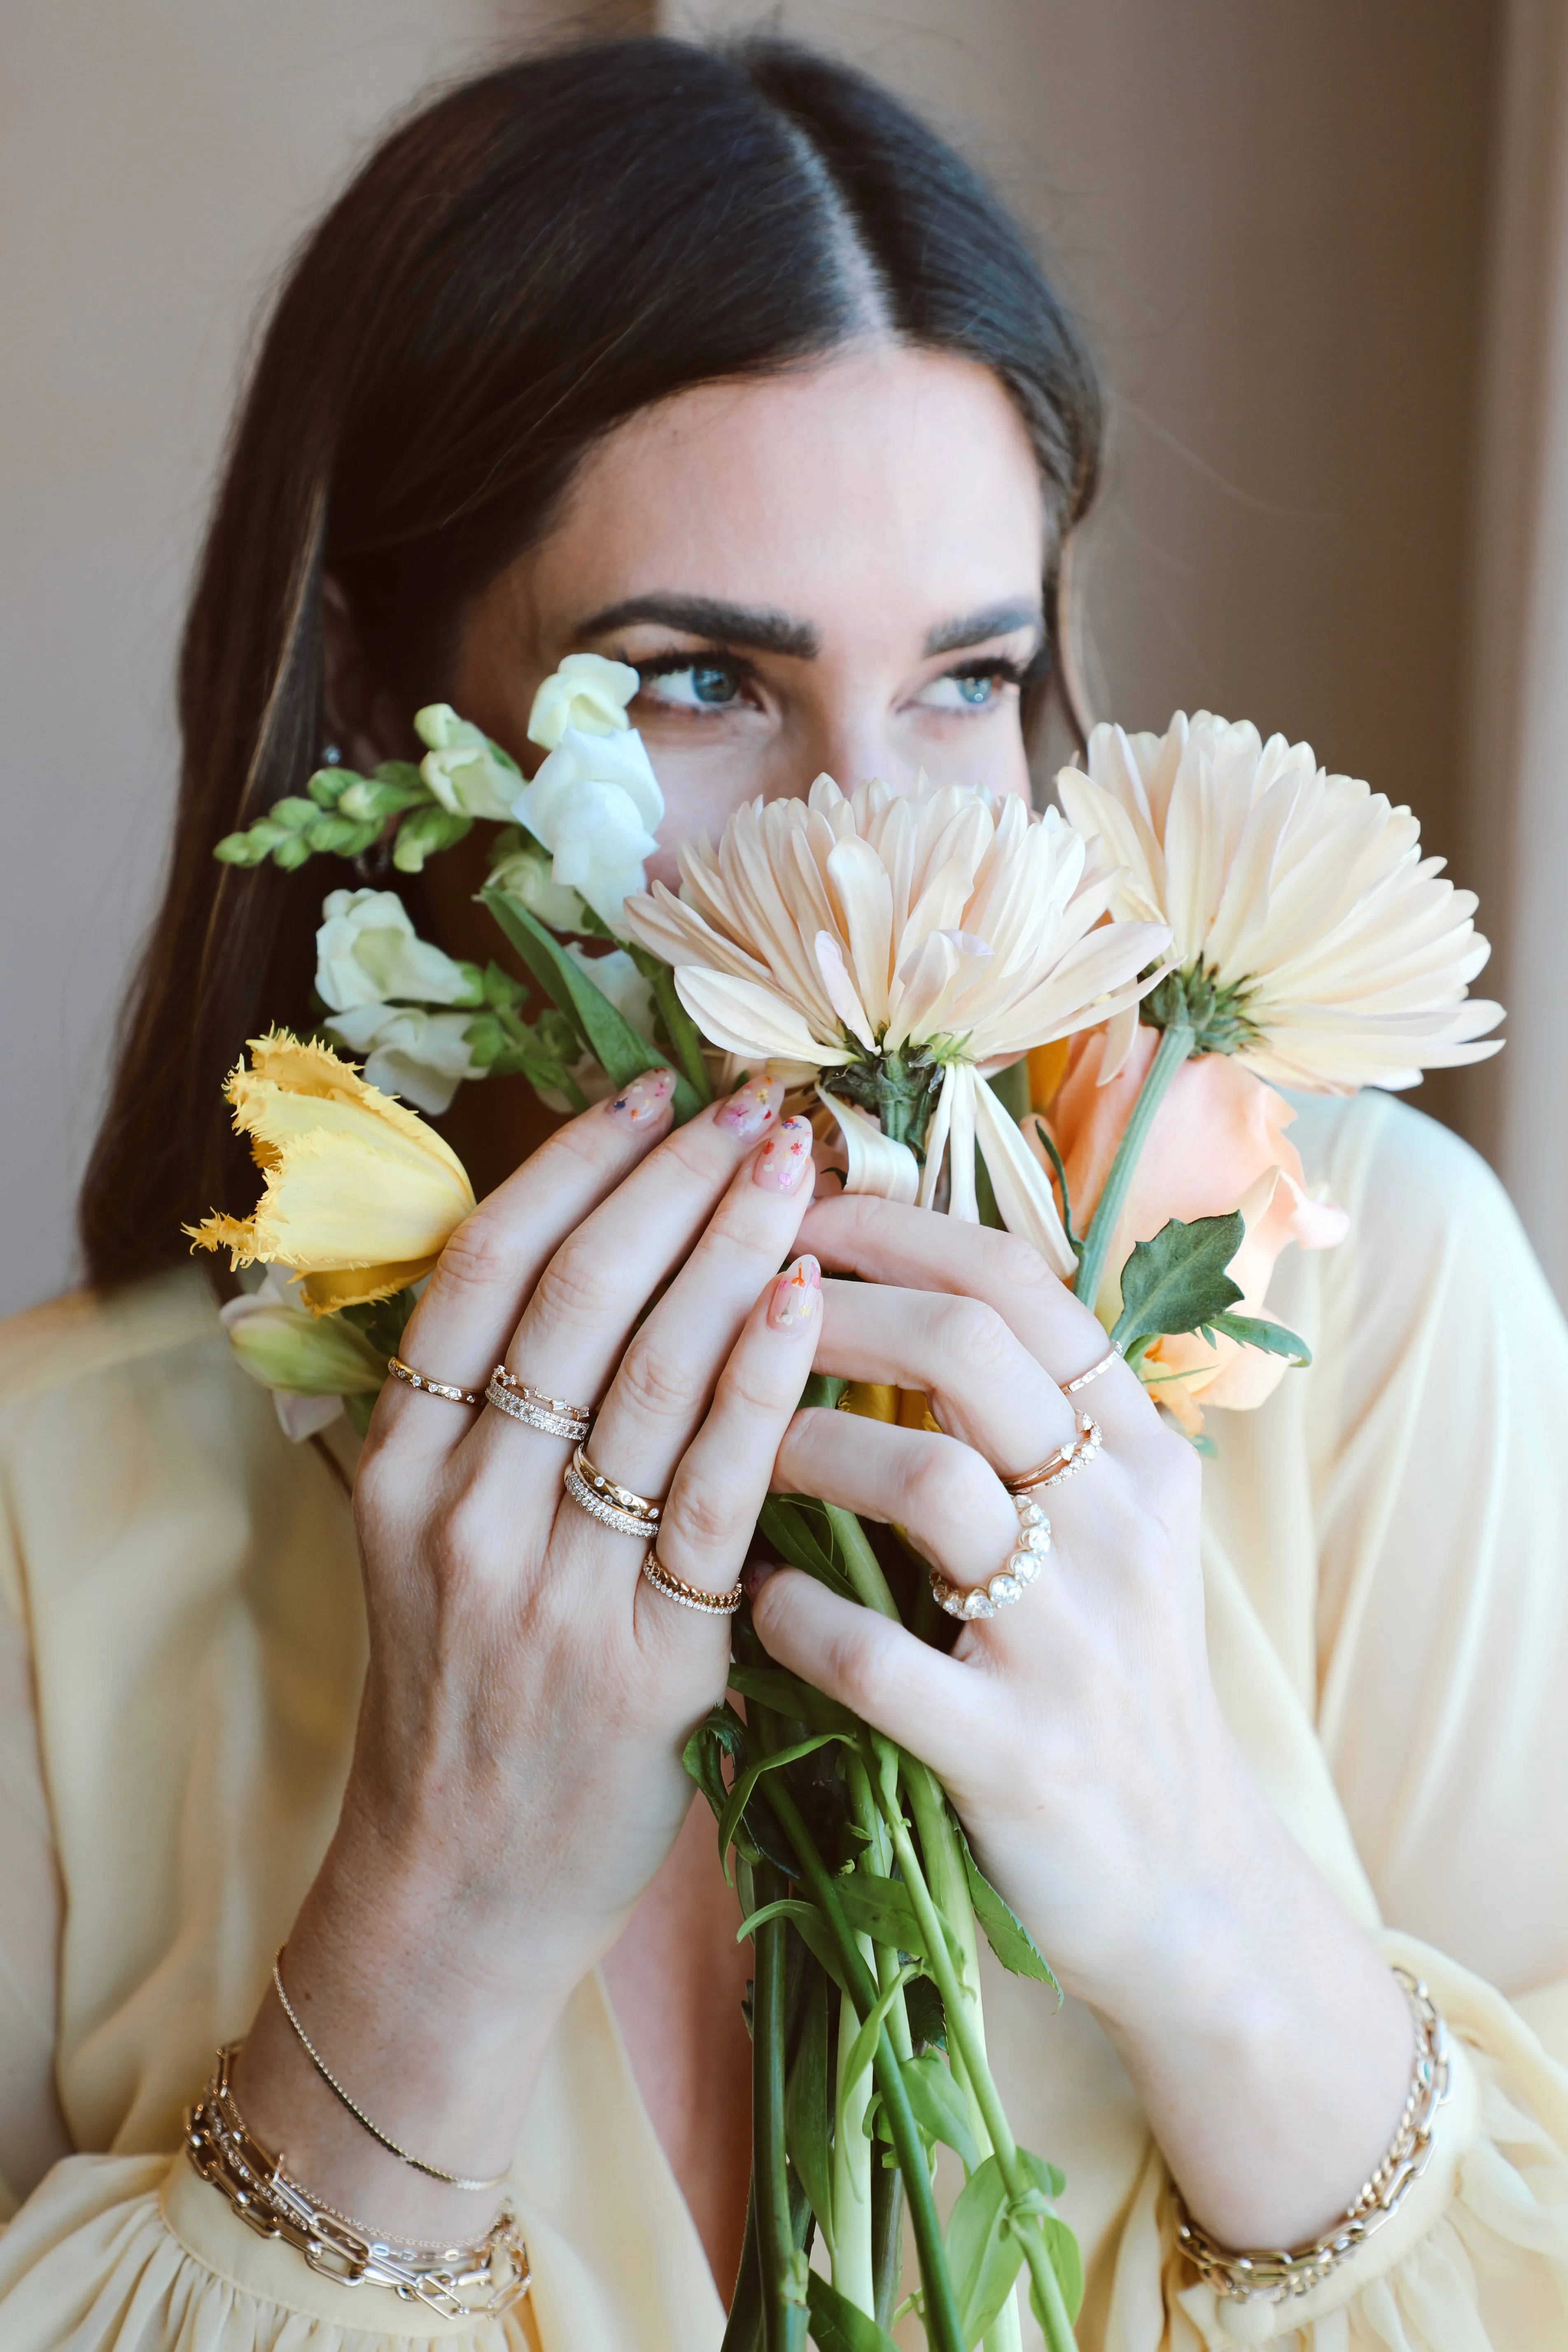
<point x="467" y="772"/>
<point x="595" y="804"/>
<point x="422" y="1056"/>
<point x="902" y="942"/>
<point x="1311" y="939"/>
<point x="588" y="693"/>
<point x="524" y="872"/>
<point x="310" y="1362"/>
<point x="367" y="950"/>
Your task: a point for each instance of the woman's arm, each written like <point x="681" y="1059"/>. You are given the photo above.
<point x="1078" y="1732"/>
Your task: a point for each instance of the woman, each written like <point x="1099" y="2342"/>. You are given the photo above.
<point x="723" y="365"/>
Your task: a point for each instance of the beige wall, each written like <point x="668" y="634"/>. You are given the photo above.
<point x="1271" y="216"/>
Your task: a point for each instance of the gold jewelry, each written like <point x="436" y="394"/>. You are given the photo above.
<point x="1111" y="1356"/>
<point x="458" y="2282"/>
<point x="431" y="2171"/>
<point x="1065" y="1463"/>
<point x="689" y="1596"/>
<point x="402" y="1372"/>
<point x="1011" y="1581"/>
<point x="532" y="1406"/>
<point x="1275" y="2277"/>
<point x="613" y="1507"/>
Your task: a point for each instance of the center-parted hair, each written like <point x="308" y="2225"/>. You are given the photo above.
<point x="524" y="263"/>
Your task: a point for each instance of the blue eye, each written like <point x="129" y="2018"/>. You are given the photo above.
<point x="699" y="685"/>
<point x="959" y="691"/>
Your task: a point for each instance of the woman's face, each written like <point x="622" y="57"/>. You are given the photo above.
<point x="836" y="570"/>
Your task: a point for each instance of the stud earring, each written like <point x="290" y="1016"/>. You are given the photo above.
<point x="330" y="756"/>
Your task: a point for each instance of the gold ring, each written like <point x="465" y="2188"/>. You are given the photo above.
<point x="689" y="1596"/>
<point x="613" y="1507"/>
<point x="402" y="1372"/>
<point x="1111" y="1356"/>
<point x="535" y="1410"/>
<point x="1011" y="1582"/>
<point x="1065" y="1463"/>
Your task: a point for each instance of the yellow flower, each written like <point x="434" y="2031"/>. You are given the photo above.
<point x="1311" y="939"/>
<point x="360" y="1197"/>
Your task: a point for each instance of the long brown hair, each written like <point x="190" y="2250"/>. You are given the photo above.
<point x="540" y="253"/>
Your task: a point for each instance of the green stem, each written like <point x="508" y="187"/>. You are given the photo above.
<point x="1174" y="1046"/>
<point x="744" y="2330"/>
<point x="782" y="2266"/>
<point x="860" y="1562"/>
<point x="961" y="2031"/>
<point x="944" y="2333"/>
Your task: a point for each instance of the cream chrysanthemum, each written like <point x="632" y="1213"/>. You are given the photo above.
<point x="1311" y="940"/>
<point x="896" y="944"/>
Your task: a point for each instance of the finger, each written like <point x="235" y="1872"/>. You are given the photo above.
<point x="911" y="1249"/>
<point x="587" y="1302"/>
<point x="950" y="1502"/>
<point x="983" y="1385"/>
<point x="726" y="1471"/>
<point x="931" y="1705"/>
<point x="671" y="1364"/>
<point x="470" y="1306"/>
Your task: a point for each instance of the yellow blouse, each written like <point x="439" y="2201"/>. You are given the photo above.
<point x="1386" y="1555"/>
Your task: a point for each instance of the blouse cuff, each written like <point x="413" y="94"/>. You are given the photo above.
<point x="1485" y="2225"/>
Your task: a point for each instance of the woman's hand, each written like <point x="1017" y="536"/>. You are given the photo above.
<point x="1077" y="1731"/>
<point x="517" y="1777"/>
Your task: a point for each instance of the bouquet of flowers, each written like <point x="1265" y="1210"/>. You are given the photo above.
<point x="1065" y="1023"/>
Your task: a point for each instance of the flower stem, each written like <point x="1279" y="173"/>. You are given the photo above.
<point x="1175" y="1044"/>
<point x="961" y="2031"/>
<point x="944" y="2332"/>
<point x="781" y="2263"/>
<point x="860" y="1562"/>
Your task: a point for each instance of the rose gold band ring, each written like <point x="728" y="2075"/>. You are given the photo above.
<point x="1065" y="1463"/>
<point x="554" y="1415"/>
<point x="689" y="1596"/>
<point x="613" y="1507"/>
<point x="402" y="1372"/>
<point x="1111" y="1356"/>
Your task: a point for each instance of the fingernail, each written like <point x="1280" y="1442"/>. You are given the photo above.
<point x="757" y="1576"/>
<point x="639" y="1104"/>
<point x="753" y="1107"/>
<point x="785" y="1158"/>
<point x="798" y="1295"/>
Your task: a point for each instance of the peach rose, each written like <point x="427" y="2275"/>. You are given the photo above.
<point x="1218" y="1143"/>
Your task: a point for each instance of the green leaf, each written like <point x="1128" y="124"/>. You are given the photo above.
<point x="1066" y="2261"/>
<point x="1005" y="1931"/>
<point x="809" y="1924"/>
<point x="685" y="1037"/>
<point x="809" y="2100"/>
<point x="771" y="1686"/>
<point x="784" y="1524"/>
<point x="1048" y="2178"/>
<point x="1047" y="1142"/>
<point x="863" y="2049"/>
<point x="882" y="1909"/>
<point x="747" y="1778"/>
<point x="941" y="2108"/>
<point x="983" y="2253"/>
<point x="428" y="831"/>
<point x="839" y="2326"/>
<point x="1178" y="1281"/>
<point x="719" y="1734"/>
<point x="928" y="2019"/>
<point x="1257" y="1331"/>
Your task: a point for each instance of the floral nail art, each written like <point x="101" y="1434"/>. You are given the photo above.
<point x="752" y="1108"/>
<point x="785" y="1158"/>
<point x="639" y="1104"/>
<point x="798" y="1295"/>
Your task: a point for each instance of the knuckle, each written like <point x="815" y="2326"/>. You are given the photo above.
<point x="1015" y="1264"/>
<point x="702" y="1514"/>
<point x="949" y="1488"/>
<point x="977" y="1335"/>
<point x="650" y="1382"/>
<point x="482" y="1254"/>
<point x="579" y="1284"/>
<point x="864" y="1669"/>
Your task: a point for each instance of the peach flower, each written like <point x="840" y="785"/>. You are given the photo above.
<point x="1218" y="1143"/>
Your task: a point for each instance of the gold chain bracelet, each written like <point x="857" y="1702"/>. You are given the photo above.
<point x="1274" y="2276"/>
<point x="458" y="2282"/>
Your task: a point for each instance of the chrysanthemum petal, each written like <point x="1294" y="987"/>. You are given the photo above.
<point x="745" y="1018"/>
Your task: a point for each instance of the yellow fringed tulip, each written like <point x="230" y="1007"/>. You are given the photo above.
<point x="361" y="1196"/>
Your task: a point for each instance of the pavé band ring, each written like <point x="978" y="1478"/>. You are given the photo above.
<point x="613" y="1507"/>
<point x="554" y="1415"/>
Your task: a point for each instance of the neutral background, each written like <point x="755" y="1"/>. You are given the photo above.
<point x="1277" y="223"/>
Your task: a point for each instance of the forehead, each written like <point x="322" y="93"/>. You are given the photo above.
<point x="900" y="477"/>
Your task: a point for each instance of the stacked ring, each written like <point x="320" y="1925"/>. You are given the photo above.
<point x="689" y="1596"/>
<point x="1065" y="1463"/>
<point x="1111" y="1356"/>
<point x="535" y="1410"/>
<point x="613" y="1507"/>
<point x="402" y="1372"/>
<point x="1011" y="1581"/>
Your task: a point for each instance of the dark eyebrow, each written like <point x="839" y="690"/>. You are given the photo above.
<point x="751" y="626"/>
<point x="977" y="628"/>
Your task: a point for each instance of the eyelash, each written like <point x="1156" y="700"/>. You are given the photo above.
<point x="1006" y="670"/>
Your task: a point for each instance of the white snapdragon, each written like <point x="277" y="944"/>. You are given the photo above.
<point x="468" y="775"/>
<point x="422" y="1056"/>
<point x="368" y="952"/>
<point x="524" y="872"/>
<point x="595" y="801"/>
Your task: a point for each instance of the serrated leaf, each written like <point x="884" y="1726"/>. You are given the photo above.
<point x="940" y="2108"/>
<point x="1257" y="1331"/>
<point x="1005" y="1931"/>
<point x="882" y="1909"/>
<point x="928" y="2018"/>
<point x="839" y="2326"/>
<point x="1178" y="1281"/>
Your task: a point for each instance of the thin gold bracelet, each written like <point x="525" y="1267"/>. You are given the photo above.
<point x="1275" y="2276"/>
